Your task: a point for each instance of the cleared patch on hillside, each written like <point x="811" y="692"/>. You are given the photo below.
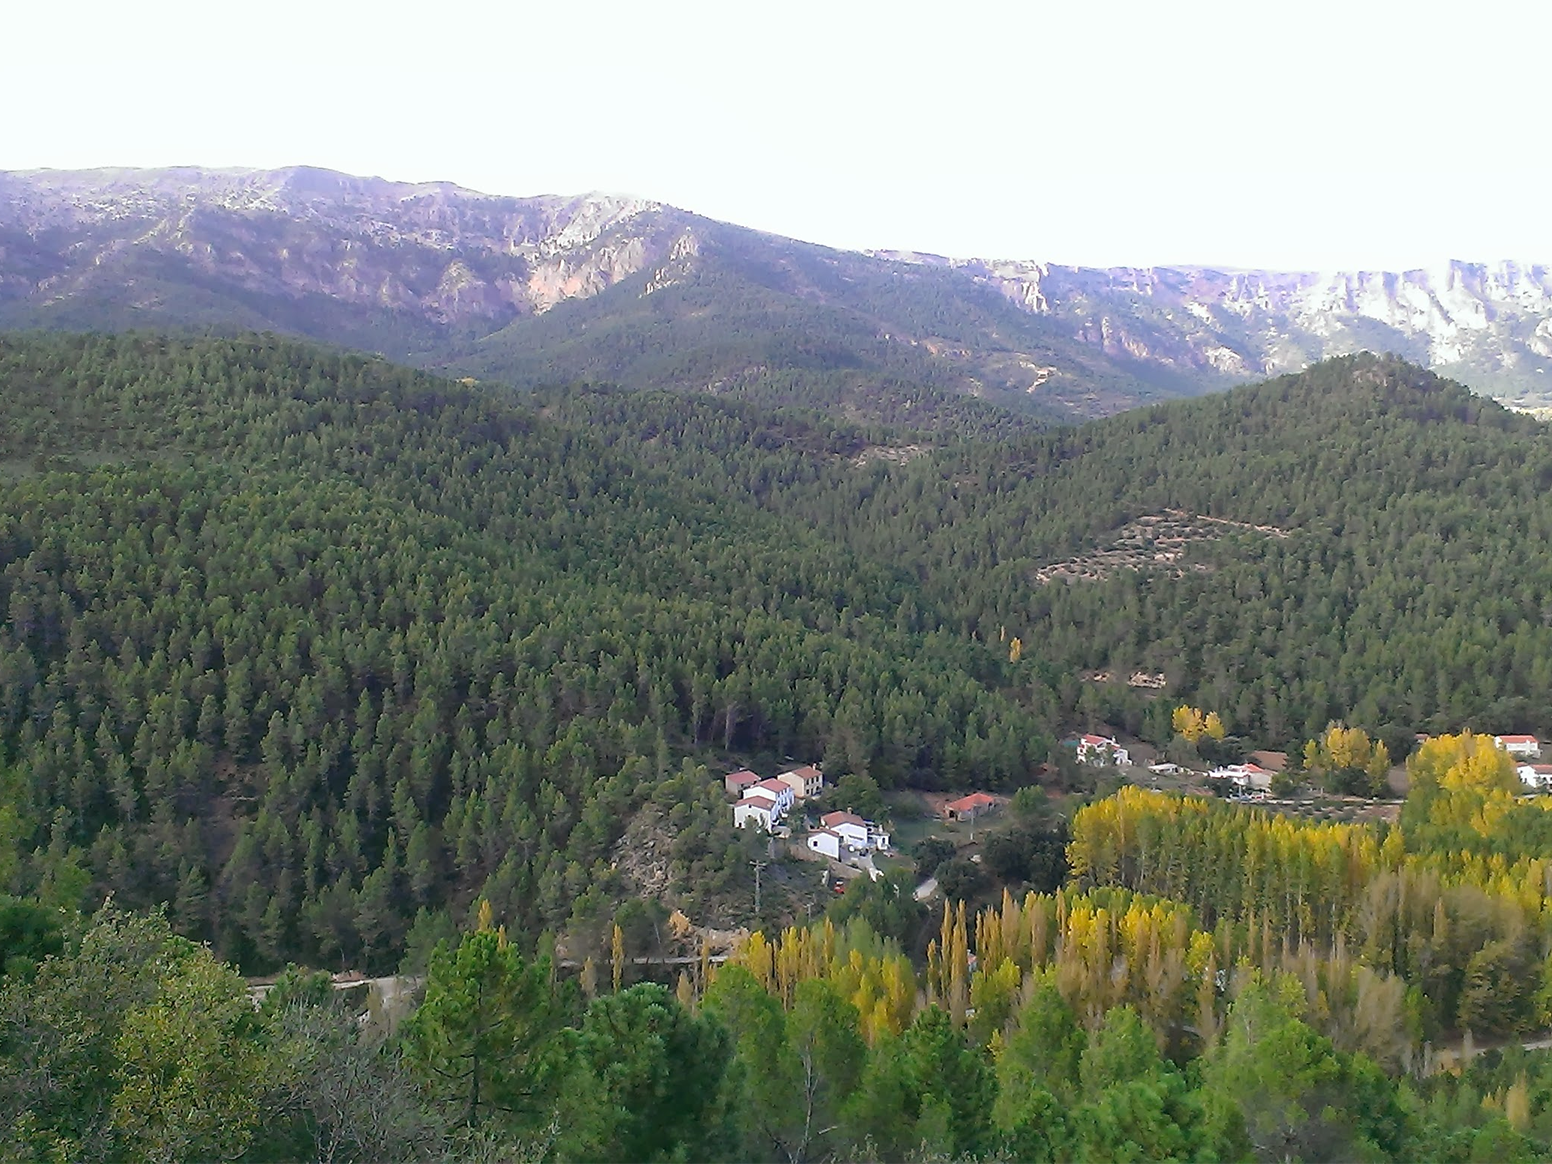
<point x="896" y="454"/>
<point x="1158" y="542"/>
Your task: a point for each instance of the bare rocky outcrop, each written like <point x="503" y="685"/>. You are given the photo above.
<point x="416" y="268"/>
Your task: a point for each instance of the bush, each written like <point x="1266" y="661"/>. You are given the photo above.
<point x="960" y="879"/>
<point x="931" y="852"/>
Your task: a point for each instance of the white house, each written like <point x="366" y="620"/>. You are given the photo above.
<point x="1251" y="776"/>
<point x="805" y="781"/>
<point x="758" y="811"/>
<point x="1537" y="776"/>
<point x="773" y="790"/>
<point x="1525" y="747"/>
<point x="763" y="804"/>
<point x="826" y="841"/>
<point x="855" y="834"/>
<point x="1102" y="751"/>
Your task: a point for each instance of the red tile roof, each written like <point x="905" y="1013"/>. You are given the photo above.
<point x="773" y="785"/>
<point x="743" y="776"/>
<point x="1517" y="739"/>
<point x="831" y="819"/>
<point x="969" y="803"/>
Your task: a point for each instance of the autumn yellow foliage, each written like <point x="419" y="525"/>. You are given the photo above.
<point x="1462" y="781"/>
<point x="1193" y="724"/>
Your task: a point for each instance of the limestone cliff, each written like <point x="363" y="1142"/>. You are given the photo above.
<point x="451" y="277"/>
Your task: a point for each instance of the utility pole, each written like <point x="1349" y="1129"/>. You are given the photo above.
<point x="758" y="866"/>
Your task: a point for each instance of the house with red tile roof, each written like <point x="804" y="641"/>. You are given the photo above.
<point x="968" y="808"/>
<point x="1103" y="751"/>
<point x="1525" y="747"/>
<point x="805" y="781"/>
<point x="854" y="834"/>
<point x="764" y="804"/>
<point x="737" y="783"/>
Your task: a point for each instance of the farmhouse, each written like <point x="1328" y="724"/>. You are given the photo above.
<point x="845" y="836"/>
<point x="1249" y="776"/>
<point x="764" y="804"/>
<point x="805" y="781"/>
<point x="1102" y="751"/>
<point x="1526" y="747"/>
<point x="860" y="835"/>
<point x="968" y="808"/>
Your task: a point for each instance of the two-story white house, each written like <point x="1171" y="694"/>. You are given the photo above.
<point x="848" y="832"/>
<point x="764" y="804"/>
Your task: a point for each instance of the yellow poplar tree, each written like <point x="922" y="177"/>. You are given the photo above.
<point x="617" y="957"/>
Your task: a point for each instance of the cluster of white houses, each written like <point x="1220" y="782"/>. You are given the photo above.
<point x="1523" y="749"/>
<point x="843" y="836"/>
<point x="1254" y="777"/>
<point x="766" y="802"/>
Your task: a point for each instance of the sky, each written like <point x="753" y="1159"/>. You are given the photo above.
<point x="1257" y="133"/>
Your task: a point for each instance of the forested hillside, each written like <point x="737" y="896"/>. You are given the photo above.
<point x="1213" y="984"/>
<point x="303" y="644"/>
<point x="319" y="650"/>
<point x="1375" y="551"/>
<point x="317" y="659"/>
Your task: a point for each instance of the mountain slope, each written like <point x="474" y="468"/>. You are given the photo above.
<point x="1361" y="540"/>
<point x="304" y="643"/>
<point x="545" y="290"/>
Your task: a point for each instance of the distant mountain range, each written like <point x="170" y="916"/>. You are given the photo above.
<point x="594" y="287"/>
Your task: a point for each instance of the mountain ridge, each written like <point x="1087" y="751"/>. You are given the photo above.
<point x="647" y="294"/>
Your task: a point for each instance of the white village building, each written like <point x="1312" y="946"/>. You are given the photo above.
<point x="1250" y="776"/>
<point x="845" y="834"/>
<point x="764" y="804"/>
<point x="1521" y="747"/>
<point x="1535" y="776"/>
<point x="1102" y="751"/>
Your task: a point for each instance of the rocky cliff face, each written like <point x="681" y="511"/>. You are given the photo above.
<point x="1489" y="324"/>
<point x="434" y="250"/>
<point x="427" y="271"/>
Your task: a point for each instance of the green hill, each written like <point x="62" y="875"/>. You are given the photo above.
<point x="302" y="643"/>
<point x="310" y="646"/>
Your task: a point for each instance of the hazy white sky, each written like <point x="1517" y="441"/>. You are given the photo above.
<point x="1252" y="133"/>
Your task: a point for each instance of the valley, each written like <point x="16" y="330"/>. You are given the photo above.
<point x="313" y="659"/>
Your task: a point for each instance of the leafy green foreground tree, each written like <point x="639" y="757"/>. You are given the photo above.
<point x="485" y="1037"/>
<point x="133" y="1044"/>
